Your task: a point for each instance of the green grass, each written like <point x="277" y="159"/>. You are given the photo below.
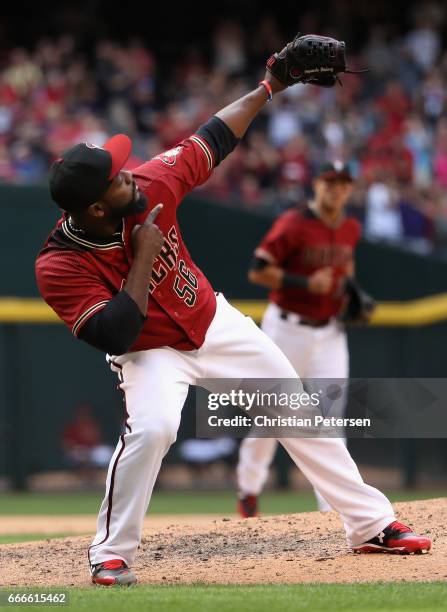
<point x="426" y="597"/>
<point x="177" y="502"/>
<point x="410" y="495"/>
<point x="31" y="537"/>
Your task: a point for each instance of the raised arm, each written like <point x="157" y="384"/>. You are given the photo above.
<point x="239" y="114"/>
<point x="307" y="59"/>
<point x="223" y="131"/>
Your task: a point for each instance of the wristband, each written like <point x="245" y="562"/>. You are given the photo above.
<point x="268" y="88"/>
<point x="258" y="263"/>
<point x="295" y="280"/>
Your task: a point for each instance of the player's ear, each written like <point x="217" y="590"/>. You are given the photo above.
<point x="96" y="210"/>
<point x="316" y="184"/>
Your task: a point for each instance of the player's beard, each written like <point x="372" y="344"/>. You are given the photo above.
<point x="136" y="206"/>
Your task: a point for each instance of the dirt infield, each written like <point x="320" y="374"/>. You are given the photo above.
<point x="308" y="547"/>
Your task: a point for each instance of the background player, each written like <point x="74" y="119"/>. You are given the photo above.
<point x="304" y="259"/>
<point x="130" y="288"/>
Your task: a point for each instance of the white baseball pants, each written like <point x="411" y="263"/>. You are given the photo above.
<point x="155" y="383"/>
<point x="315" y="353"/>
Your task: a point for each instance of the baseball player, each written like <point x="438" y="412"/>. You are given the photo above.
<point x="117" y="272"/>
<point x="305" y="259"/>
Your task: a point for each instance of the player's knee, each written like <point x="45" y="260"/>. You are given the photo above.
<point x="162" y="432"/>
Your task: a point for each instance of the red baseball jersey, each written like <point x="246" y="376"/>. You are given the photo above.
<point x="77" y="276"/>
<point x="301" y="243"/>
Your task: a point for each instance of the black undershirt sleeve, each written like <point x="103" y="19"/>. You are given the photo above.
<point x="219" y="137"/>
<point x="116" y="327"/>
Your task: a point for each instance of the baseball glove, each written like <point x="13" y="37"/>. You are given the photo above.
<point x="359" y="306"/>
<point x="312" y="59"/>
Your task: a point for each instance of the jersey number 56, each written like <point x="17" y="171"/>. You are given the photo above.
<point x="186" y="284"/>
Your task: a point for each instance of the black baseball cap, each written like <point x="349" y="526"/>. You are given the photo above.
<point x="83" y="174"/>
<point x="333" y="171"/>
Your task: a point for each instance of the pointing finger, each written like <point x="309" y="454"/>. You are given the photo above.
<point x="153" y="214"/>
<point x="135" y="229"/>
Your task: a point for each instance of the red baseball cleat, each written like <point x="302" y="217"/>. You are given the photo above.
<point x="247" y="506"/>
<point x="112" y="572"/>
<point x="398" y="539"/>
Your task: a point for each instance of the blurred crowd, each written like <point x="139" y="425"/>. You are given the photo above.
<point x="390" y="124"/>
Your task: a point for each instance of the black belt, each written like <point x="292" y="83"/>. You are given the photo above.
<point x="305" y="320"/>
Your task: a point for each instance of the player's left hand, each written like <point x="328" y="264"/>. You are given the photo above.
<point x="359" y="306"/>
<point x="312" y="59"/>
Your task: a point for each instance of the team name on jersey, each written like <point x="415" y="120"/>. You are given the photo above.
<point x="185" y="283"/>
<point x="319" y="255"/>
<point x="166" y="260"/>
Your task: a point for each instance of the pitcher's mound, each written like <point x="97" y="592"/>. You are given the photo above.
<point x="308" y="547"/>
